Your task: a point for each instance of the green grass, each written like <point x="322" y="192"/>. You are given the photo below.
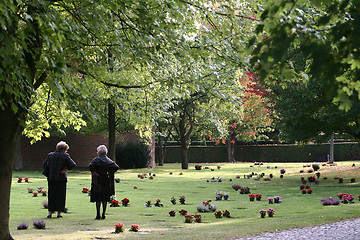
<point x="297" y="210"/>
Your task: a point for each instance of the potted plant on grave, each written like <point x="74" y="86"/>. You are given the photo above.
<point x="247" y="190"/>
<point x="258" y="196"/>
<point x="114" y="203"/>
<point x="309" y="191"/>
<point x="85" y="190"/>
<point x="271" y="212"/>
<point x="303" y="191"/>
<point x="302" y="187"/>
<point x="226" y="213"/>
<point x="158" y="203"/>
<point x="282" y="171"/>
<point x="134" y="227"/>
<point x="182" y="199"/>
<point x="277" y="199"/>
<point x="125" y="202"/>
<point x="218" y="214"/>
<point x="251" y="197"/>
<point x="262" y="213"/>
<point x="43" y="192"/>
<point x="26" y="179"/>
<point x="218" y="197"/>
<point x="198" y="167"/>
<point x="188" y="218"/>
<point x="183" y="212"/>
<point x="19" y="179"/>
<point x="271" y="200"/>
<point x="173" y="200"/>
<point x="226" y="196"/>
<point x="148" y="203"/>
<point x="341" y="180"/>
<point x="206" y="206"/>
<point x="172" y="213"/>
<point x="352" y="180"/>
<point x="35" y="194"/>
<point x="119" y="227"/>
<point x="197" y="218"/>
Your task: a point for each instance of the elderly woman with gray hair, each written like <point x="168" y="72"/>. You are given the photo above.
<point x="102" y="180"/>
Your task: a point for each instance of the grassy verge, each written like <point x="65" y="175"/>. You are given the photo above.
<point x="296" y="210"/>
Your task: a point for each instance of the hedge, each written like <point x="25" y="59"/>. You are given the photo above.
<point x="265" y="153"/>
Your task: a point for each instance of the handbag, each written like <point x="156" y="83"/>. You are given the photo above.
<point x="96" y="186"/>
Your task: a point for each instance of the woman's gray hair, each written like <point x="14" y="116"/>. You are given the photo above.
<point x="62" y="146"/>
<point x="102" y="150"/>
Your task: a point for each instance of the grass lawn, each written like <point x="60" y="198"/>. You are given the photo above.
<point x="296" y="210"/>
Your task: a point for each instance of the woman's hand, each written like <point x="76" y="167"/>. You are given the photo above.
<point x="64" y="171"/>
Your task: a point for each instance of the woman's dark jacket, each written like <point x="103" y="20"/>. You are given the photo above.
<point x="102" y="178"/>
<point x="55" y="162"/>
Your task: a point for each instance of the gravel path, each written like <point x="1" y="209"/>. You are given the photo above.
<point x="347" y="229"/>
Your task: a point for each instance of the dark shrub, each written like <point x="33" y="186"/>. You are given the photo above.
<point x="316" y="167"/>
<point x="132" y="155"/>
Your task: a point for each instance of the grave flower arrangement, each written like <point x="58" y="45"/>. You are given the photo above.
<point x="271" y="212"/>
<point x="125" y="202"/>
<point x="262" y="213"/>
<point x="218" y="214"/>
<point x="352" y="180"/>
<point x="197" y="218"/>
<point x="173" y="200"/>
<point x="252" y="197"/>
<point x="19" y="179"/>
<point x="303" y="191"/>
<point x="22" y="226"/>
<point x="45" y="204"/>
<point x="114" y="203"/>
<point x="277" y="199"/>
<point x="43" y="192"/>
<point x="158" y="203"/>
<point x="183" y="212"/>
<point x="258" y="196"/>
<point x="172" y="213"/>
<point x="226" y="213"/>
<point x="329" y="201"/>
<point x="309" y="191"/>
<point x="148" y="203"/>
<point x="206" y="206"/>
<point x="348" y="198"/>
<point x="35" y="194"/>
<point x="226" y="196"/>
<point x="39" y="224"/>
<point x="271" y="200"/>
<point x="134" y="227"/>
<point x="282" y="171"/>
<point x="188" y="218"/>
<point x="236" y="187"/>
<point x="85" y="190"/>
<point x="198" y="167"/>
<point x="182" y="199"/>
<point x="26" y="179"/>
<point x="119" y="227"/>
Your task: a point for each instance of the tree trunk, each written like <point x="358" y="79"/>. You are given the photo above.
<point x="9" y="135"/>
<point x="231" y="147"/>
<point x="331" y="160"/>
<point x="152" y="149"/>
<point x="111" y="126"/>
<point x="184" y="160"/>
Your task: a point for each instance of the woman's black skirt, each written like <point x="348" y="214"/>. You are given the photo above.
<point x="56" y="196"/>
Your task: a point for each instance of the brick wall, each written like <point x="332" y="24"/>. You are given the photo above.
<point x="82" y="148"/>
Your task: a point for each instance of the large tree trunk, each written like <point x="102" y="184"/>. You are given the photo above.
<point x="9" y="135"/>
<point x="111" y="126"/>
<point x="231" y="147"/>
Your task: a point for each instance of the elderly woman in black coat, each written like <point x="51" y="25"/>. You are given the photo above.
<point x="102" y="180"/>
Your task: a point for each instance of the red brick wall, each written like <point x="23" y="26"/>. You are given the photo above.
<point x="82" y="148"/>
